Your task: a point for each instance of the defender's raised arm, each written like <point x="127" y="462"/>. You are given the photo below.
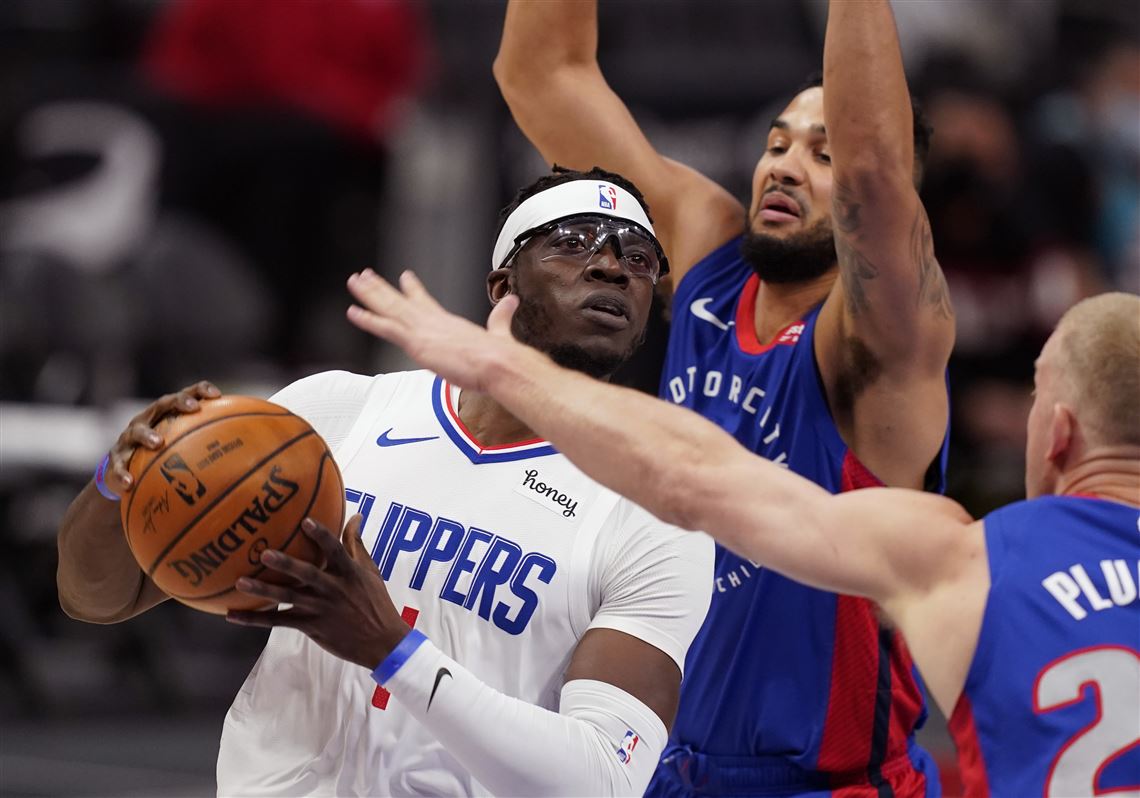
<point x="548" y="72"/>
<point x="887" y="327"/>
<point x="894" y="293"/>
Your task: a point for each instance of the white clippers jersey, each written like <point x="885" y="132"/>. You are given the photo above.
<point x="502" y="556"/>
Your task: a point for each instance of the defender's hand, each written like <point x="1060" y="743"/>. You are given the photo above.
<point x="453" y="347"/>
<point x="344" y="608"/>
<point x="140" y="430"/>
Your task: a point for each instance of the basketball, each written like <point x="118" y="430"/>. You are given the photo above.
<point x="235" y="478"/>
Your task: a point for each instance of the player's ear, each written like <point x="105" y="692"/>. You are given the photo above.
<point x="1062" y="428"/>
<point x="498" y="285"/>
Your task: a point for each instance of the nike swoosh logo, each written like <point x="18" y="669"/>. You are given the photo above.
<point x="700" y="309"/>
<point x="385" y="439"/>
<point x="438" y="675"/>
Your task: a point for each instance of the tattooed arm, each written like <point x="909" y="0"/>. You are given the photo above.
<point x="920" y="273"/>
<point x="886" y="330"/>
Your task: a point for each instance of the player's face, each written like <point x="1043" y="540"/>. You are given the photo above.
<point x="1040" y="472"/>
<point x="586" y="317"/>
<point x="791" y="187"/>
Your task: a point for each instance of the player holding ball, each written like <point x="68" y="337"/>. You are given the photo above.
<point x="544" y="608"/>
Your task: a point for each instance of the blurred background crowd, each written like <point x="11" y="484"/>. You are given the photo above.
<point x="185" y="185"/>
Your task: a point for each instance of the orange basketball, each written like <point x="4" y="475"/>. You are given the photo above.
<point x="235" y="478"/>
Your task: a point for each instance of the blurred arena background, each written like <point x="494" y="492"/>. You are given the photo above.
<point x="185" y="184"/>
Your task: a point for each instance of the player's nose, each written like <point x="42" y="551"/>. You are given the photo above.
<point x="606" y="264"/>
<point x="788" y="170"/>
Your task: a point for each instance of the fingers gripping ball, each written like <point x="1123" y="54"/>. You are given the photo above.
<point x="233" y="479"/>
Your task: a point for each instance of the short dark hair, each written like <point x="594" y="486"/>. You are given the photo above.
<point x="922" y="128"/>
<point x="559" y="175"/>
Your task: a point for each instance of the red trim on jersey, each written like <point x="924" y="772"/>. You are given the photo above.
<point x="948" y="774"/>
<point x="906" y="707"/>
<point x="971" y="764"/>
<point x="459" y="423"/>
<point x="854" y="693"/>
<point x="846" y="743"/>
<point x="746" y="322"/>
<point x="903" y="780"/>
<point x="854" y="475"/>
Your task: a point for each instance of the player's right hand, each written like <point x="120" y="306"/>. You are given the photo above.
<point x="454" y="348"/>
<point x="141" y="431"/>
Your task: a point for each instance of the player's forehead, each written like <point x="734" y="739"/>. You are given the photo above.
<point x="803" y="115"/>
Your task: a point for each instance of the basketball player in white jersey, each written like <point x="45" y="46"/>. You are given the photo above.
<point x="550" y="617"/>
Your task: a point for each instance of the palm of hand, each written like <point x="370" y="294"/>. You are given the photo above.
<point x="450" y="345"/>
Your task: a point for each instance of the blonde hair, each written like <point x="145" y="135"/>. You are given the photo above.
<point x="1100" y="358"/>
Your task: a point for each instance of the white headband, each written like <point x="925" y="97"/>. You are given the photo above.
<point x="578" y="197"/>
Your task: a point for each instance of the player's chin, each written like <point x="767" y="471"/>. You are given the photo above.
<point x="599" y="357"/>
<point x="780" y="229"/>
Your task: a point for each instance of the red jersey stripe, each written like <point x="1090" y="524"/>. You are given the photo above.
<point x="971" y="765"/>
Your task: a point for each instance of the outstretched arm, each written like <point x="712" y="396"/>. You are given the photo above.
<point x="886" y="331"/>
<point x="548" y="73"/>
<point x="689" y="472"/>
<point x="676" y="464"/>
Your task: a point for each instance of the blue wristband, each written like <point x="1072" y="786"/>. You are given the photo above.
<point x="100" y="485"/>
<point x="394" y="661"/>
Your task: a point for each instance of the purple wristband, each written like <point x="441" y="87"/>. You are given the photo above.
<point x="100" y="485"/>
<point x="395" y="660"/>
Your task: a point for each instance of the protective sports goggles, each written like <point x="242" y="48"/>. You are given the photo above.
<point x="577" y="239"/>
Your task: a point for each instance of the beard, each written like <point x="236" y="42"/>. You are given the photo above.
<point x="796" y="258"/>
<point x="531" y="325"/>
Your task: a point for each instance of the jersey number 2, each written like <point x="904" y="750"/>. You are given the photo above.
<point x="1113" y="674"/>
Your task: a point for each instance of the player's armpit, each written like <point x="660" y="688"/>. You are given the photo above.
<point x="882" y="342"/>
<point x="942" y="622"/>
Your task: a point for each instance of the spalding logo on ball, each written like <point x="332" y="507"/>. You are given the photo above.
<point x="234" y="479"/>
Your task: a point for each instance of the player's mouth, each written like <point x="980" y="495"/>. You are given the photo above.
<point x="778" y="207"/>
<point x="607" y="310"/>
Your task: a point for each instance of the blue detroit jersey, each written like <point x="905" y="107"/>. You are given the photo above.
<point x="1051" y="705"/>
<point x="804" y="684"/>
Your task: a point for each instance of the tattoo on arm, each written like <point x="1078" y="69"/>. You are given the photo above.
<point x="932" y="288"/>
<point x="856" y="269"/>
<point x="845" y="206"/>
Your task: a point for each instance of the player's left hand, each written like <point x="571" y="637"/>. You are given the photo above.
<point x="345" y="607"/>
<point x="456" y="349"/>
